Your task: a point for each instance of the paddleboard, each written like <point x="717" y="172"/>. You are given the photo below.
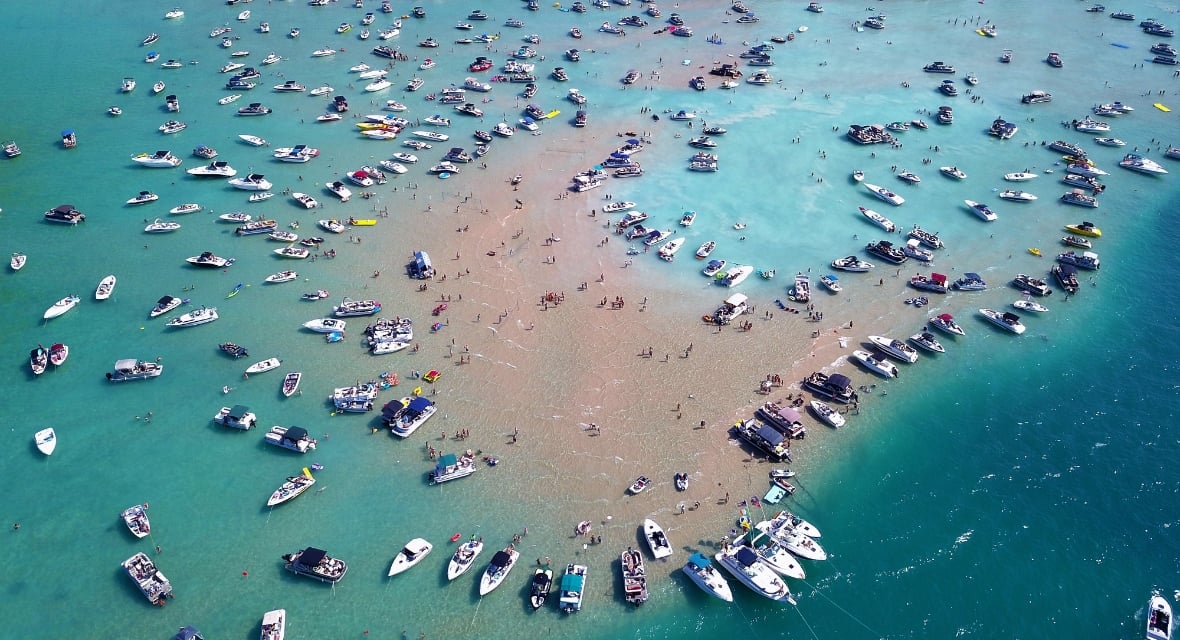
<point x="1120" y="45"/>
<point x="367" y="222"/>
<point x="235" y="291"/>
<point x="1161" y="107"/>
<point x="444" y="175"/>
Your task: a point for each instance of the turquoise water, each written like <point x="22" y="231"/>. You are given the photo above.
<point x="1028" y="476"/>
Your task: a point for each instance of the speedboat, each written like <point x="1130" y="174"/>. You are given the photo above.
<point x="946" y="322"/>
<point x="1159" y="619"/>
<point x="159" y="159"/>
<point x="1029" y="305"/>
<point x="204" y="315"/>
<point x="498" y="570"/>
<point x="884" y="249"/>
<point x="656" y="540"/>
<point x="713" y="268"/>
<point x="634" y="576"/>
<point x="982" y="210"/>
<point x="1019" y="176"/>
<point x="573" y="588"/>
<point x="1110" y="142"/>
<point x="1017" y="196"/>
<point x="705" y="575"/>
<point x="252" y="182"/>
<point x="852" y="263"/>
<point x="254" y="109"/>
<point x="215" y="169"/>
<point x="463" y="558"/>
<point x="60" y="307"/>
<point x="1085" y="229"/>
<point x="143" y="197"/>
<point x="39" y="360"/>
<point x="46" y="440"/>
<point x="540" y="587"/>
<point x="827" y="413"/>
<point x="876" y="364"/>
<point x="831" y="282"/>
<point x="410" y="555"/>
<point x="128" y="85"/>
<point x="65" y="214"/>
<point x="105" y="288"/>
<point x="909" y="177"/>
<point x="1004" y="320"/>
<point x="332" y="225"/>
<point x="18" y="261"/>
<point x="210" y="261"/>
<point x="878" y="219"/>
<point x="136" y="519"/>
<point x="639" y="485"/>
<point x="895" y="348"/>
<point x="745" y="565"/>
<point x="1138" y="163"/>
<point x="296" y="253"/>
<point x="953" y="172"/>
<point x="927" y="341"/>
<point x="325" y="325"/>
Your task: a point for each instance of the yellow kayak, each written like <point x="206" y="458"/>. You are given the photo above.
<point x="1161" y="107"/>
<point x="1035" y="251"/>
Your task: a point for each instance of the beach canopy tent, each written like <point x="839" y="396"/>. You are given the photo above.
<point x="420" y="404"/>
<point x="501" y="559"/>
<point x="188" y="632"/>
<point x="311" y="556"/>
<point x="294" y="434"/>
<point x="772" y="436"/>
<point x="421" y="268"/>
<point x="747" y="557"/>
<point x="839" y="382"/>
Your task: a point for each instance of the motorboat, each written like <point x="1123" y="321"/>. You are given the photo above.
<point x="305" y="200"/>
<point x="254" y="109"/>
<point x="909" y="177"/>
<point x="136" y="519"/>
<point x="713" y="268"/>
<point x="895" y="348"/>
<point x="1016" y="196"/>
<point x="657" y="541"/>
<point x="325" y="325"/>
<point x="463" y="558"/>
<point x="128" y="85"/>
<point x="982" y="210"/>
<point x="668" y="251"/>
<point x="852" y="263"/>
<point x="132" y="369"/>
<point x="1030" y="305"/>
<point x="159" y="159"/>
<point x="1074" y="241"/>
<point x="1054" y="59"/>
<point x="164" y="305"/>
<point x="252" y="182"/>
<point x="1031" y="285"/>
<point x="1159" y="619"/>
<point x="498" y="569"/>
<point x="39" y="360"/>
<point x="970" y="281"/>
<point x="875" y="364"/>
<point x="323" y="53"/>
<point x="234" y="350"/>
<point x="925" y="237"/>
<point x="65" y="214"/>
<point x="927" y="341"/>
<point x="256" y="227"/>
<point x="411" y="554"/>
<point x="317" y="564"/>
<point x="705" y="575"/>
<point x="282" y="276"/>
<point x="148" y="578"/>
<point x="209" y="260"/>
<point x="936" y="282"/>
<point x="745" y="565"/>
<point x="946" y="322"/>
<point x="332" y="225"/>
<point x="634" y="576"/>
<point x="1019" y="176"/>
<point x="1004" y="320"/>
<point x="1089" y="125"/>
<point x="885" y="250"/>
<point x="291" y="438"/>
<point x="203" y="315"/>
<point x="1138" y="163"/>
<point x="106" y="287"/>
<point x="637" y="487"/>
<point x="18" y="260"/>
<point x="236" y="417"/>
<point x="540" y="587"/>
<point x="1085" y="260"/>
<point x="878" y="219"/>
<point x="948" y="88"/>
<point x="349" y="308"/>
<point x="403" y="417"/>
<point x="172" y="126"/>
<point x="826" y="413"/>
<point x="831" y="283"/>
<point x="274" y="623"/>
<point x="339" y="189"/>
<point x="938" y="67"/>
<point x="1084" y="229"/>
<point x="215" y="169"/>
<point x="573" y="588"/>
<point x="953" y="172"/>
<point x="58" y="352"/>
<point x="61" y="307"/>
<point x="45" y="440"/>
